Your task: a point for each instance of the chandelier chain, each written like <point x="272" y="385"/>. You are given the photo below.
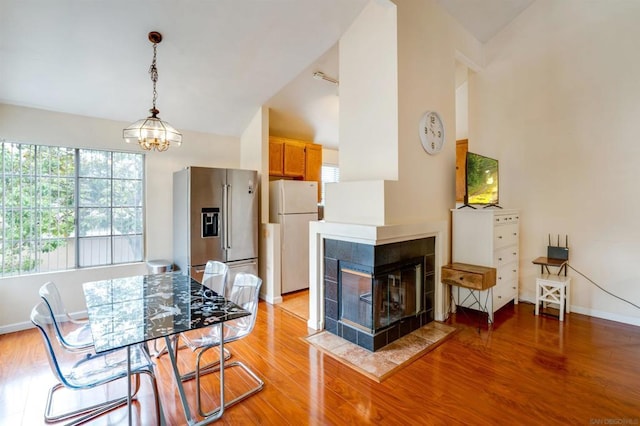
<point x="153" y="72"/>
<point x="152" y="133"/>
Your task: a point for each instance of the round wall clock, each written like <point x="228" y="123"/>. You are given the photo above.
<point x="431" y="132"/>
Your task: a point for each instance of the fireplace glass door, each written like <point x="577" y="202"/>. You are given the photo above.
<point x="373" y="302"/>
<point x="398" y="295"/>
<point x="356" y="299"/>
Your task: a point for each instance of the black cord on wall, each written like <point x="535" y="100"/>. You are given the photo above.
<point x="606" y="291"/>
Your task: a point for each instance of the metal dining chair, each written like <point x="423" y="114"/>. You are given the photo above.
<point x="74" y="335"/>
<point x="245" y="293"/>
<point x="78" y="371"/>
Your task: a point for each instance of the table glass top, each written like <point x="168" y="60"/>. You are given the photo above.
<point x="125" y="311"/>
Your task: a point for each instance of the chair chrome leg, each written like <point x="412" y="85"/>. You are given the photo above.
<point x="254" y="376"/>
<point x="90" y="412"/>
<point x="156" y="396"/>
<point x="209" y="368"/>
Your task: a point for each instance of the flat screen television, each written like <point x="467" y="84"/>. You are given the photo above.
<point x="481" y="180"/>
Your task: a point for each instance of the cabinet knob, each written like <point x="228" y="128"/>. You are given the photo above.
<point x="499" y="259"/>
<point x="499" y="237"/>
<point x="499" y="297"/>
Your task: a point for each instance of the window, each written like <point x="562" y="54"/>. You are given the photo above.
<point x="64" y="208"/>
<point x="330" y="174"/>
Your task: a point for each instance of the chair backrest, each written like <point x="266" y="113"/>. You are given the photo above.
<point x="215" y="277"/>
<point x="49" y="292"/>
<point x="58" y="358"/>
<point x="81" y="370"/>
<point x="245" y="292"/>
<point x="71" y="334"/>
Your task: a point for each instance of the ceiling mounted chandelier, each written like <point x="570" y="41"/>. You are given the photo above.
<point x="152" y="133"/>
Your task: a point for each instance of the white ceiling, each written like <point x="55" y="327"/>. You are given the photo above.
<point x="484" y="18"/>
<point x="219" y="61"/>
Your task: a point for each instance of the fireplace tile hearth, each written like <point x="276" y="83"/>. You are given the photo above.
<point x="381" y="364"/>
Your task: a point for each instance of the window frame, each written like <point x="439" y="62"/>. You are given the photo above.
<point x="68" y="255"/>
<point x="335" y="174"/>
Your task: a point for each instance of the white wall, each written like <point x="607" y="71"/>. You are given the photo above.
<point x="254" y="155"/>
<point x="428" y="42"/>
<point x="557" y="104"/>
<point x="368" y="117"/>
<point x="368" y="126"/>
<point x="19" y="294"/>
<point x="330" y="156"/>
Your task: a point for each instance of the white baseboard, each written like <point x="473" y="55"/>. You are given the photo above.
<point x="606" y="315"/>
<point x="20" y="326"/>
<point x="12" y="328"/>
<point x="270" y="299"/>
<point x="531" y="298"/>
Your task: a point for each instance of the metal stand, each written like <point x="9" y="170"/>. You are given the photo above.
<point x="476" y="298"/>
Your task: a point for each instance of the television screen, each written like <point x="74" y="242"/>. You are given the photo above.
<point x="482" y="179"/>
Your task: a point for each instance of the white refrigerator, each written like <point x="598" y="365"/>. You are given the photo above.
<point x="293" y="204"/>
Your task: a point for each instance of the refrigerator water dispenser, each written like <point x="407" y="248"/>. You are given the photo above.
<point x="210" y="222"/>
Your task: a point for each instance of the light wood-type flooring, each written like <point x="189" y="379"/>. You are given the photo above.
<point x="526" y="370"/>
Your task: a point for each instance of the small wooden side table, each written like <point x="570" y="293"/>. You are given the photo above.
<point x="545" y="262"/>
<point x="474" y="278"/>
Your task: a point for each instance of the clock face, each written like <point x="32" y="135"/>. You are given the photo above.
<point x="431" y="132"/>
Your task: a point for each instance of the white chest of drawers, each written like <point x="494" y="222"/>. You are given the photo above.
<point x="490" y="237"/>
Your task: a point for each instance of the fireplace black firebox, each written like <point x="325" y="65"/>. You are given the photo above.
<point x="373" y="302"/>
<point x="377" y="294"/>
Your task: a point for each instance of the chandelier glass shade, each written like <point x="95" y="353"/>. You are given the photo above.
<point x="152" y="133"/>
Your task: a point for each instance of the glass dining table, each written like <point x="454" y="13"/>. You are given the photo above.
<point x="138" y="309"/>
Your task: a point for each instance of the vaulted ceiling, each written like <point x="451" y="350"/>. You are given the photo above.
<point x="218" y="62"/>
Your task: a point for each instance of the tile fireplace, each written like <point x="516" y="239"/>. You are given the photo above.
<point x="377" y="294"/>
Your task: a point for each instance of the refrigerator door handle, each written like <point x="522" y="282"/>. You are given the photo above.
<point x="226" y="241"/>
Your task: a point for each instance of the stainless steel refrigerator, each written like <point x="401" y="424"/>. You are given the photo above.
<point x="215" y="217"/>
<point x="293" y="204"/>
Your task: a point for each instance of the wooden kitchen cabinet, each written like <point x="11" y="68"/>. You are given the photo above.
<point x="291" y="158"/>
<point x="293" y="161"/>
<point x="286" y="158"/>
<point x="276" y="157"/>
<point x="313" y="165"/>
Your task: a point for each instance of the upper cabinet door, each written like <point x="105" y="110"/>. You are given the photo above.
<point x="313" y="166"/>
<point x="294" y="160"/>
<point x="276" y="157"/>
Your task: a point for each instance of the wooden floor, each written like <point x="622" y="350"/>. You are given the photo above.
<point x="526" y="370"/>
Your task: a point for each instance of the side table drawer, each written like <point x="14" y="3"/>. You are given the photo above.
<point x="469" y="276"/>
